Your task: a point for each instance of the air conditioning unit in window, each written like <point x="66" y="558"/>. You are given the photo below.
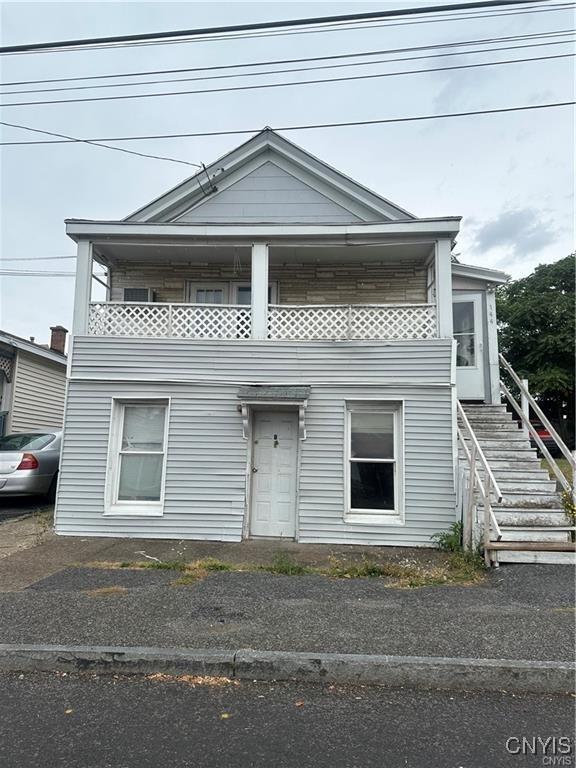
<point x="139" y="294"/>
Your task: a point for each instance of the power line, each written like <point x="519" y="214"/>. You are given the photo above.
<point x="275" y="62"/>
<point x="32" y="273"/>
<point x="280" y="24"/>
<point x="261" y="86"/>
<point x="352" y="123"/>
<point x="471" y="16"/>
<point x="73" y="139"/>
<point x="35" y="258"/>
<point x="294" y="69"/>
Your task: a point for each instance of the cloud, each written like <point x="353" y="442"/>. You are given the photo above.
<point x="518" y="233"/>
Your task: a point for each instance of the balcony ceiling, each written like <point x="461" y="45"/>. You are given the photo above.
<point x="111" y="253"/>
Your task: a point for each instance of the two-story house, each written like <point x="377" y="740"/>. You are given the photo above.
<point x="280" y="354"/>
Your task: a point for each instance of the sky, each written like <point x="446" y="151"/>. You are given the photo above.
<point x="510" y="176"/>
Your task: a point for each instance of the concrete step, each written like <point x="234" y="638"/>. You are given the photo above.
<point x="550" y="558"/>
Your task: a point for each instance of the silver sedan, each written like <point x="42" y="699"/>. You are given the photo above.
<point x="29" y="463"/>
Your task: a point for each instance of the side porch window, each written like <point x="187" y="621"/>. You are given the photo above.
<point x="137" y="457"/>
<point x="374" y="462"/>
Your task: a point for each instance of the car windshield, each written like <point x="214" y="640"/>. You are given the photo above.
<point x="29" y="441"/>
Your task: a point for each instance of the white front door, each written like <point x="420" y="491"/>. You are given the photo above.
<point x="468" y="333"/>
<point x="274" y="461"/>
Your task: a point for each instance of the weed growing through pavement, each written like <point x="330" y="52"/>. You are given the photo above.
<point x="458" y="567"/>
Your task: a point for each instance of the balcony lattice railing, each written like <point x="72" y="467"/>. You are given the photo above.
<point x="285" y="322"/>
<point x="368" y="321"/>
<point x="189" y="321"/>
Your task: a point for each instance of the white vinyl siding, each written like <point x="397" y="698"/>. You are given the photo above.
<point x="269" y="193"/>
<point x="38" y="392"/>
<point x="205" y="486"/>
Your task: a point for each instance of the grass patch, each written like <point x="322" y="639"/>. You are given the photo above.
<point x="284" y="565"/>
<point x="106" y="591"/>
<point x="563" y="465"/>
<point x="154" y="565"/>
<point x="212" y="564"/>
<point x="456" y="567"/>
<point x="189" y="577"/>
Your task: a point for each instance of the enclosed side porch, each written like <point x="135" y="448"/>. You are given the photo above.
<point x="278" y="289"/>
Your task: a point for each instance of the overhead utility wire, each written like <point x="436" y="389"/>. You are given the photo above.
<point x="274" y="62"/>
<point x="472" y="16"/>
<point x="261" y="86"/>
<point x="286" y="128"/>
<point x="73" y="139"/>
<point x="35" y="258"/>
<point x="279" y="24"/>
<point x="267" y="73"/>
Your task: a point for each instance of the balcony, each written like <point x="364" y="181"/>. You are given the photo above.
<point x="285" y="321"/>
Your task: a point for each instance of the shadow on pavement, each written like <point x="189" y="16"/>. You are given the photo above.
<point x="20" y="506"/>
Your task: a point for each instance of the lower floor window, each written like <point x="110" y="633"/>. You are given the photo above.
<point x="137" y="456"/>
<point x="374" y="460"/>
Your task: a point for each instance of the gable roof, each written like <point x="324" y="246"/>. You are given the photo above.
<point x="338" y="197"/>
<point x="17" y="342"/>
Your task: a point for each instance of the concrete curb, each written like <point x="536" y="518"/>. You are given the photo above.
<point x="411" y="671"/>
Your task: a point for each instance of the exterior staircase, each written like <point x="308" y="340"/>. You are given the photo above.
<point x="531" y="509"/>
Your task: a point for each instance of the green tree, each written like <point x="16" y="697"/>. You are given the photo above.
<point x="537" y="336"/>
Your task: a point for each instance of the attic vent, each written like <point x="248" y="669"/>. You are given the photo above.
<point x="139" y="294"/>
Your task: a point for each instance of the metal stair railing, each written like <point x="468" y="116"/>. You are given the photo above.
<point x="527" y="424"/>
<point x="485" y="487"/>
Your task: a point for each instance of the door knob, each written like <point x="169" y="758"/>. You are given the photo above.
<point x="254" y="469"/>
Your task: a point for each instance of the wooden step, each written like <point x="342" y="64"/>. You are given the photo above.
<point x="536" y="558"/>
<point x="541" y="546"/>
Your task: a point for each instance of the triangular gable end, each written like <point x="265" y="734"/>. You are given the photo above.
<point x="269" y="179"/>
<point x="270" y="193"/>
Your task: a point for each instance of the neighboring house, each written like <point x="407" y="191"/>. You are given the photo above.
<point x="279" y="355"/>
<point x="32" y="382"/>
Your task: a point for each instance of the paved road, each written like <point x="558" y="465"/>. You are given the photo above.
<point x="21" y="506"/>
<point x="82" y="721"/>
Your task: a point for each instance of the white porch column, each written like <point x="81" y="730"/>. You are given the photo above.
<point x="443" y="269"/>
<point x="82" y="288"/>
<point x="259" y="290"/>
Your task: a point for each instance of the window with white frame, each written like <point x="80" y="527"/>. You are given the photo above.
<point x="233" y="292"/>
<point x="137" y="457"/>
<point x="374" y="460"/>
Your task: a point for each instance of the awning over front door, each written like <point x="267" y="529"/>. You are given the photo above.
<point x="273" y="396"/>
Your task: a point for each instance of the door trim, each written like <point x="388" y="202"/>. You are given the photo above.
<point x="476" y="298"/>
<point x="252" y="409"/>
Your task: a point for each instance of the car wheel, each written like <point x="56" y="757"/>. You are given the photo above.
<point x="51" y="495"/>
